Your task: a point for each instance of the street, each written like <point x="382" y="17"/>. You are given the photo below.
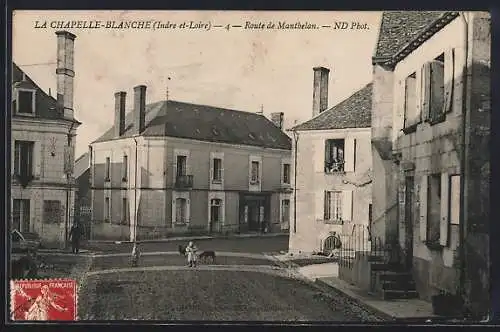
<point x="242" y="285"/>
<point x="248" y="245"/>
<point x="202" y="294"/>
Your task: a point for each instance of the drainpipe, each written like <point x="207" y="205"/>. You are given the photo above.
<point x="135" y="191"/>
<point x="296" y="140"/>
<point x="91" y="184"/>
<point x="463" y="160"/>
<point x="68" y="190"/>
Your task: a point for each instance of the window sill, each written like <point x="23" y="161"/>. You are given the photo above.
<point x="410" y="129"/>
<point x="180" y="224"/>
<point x="438" y="119"/>
<point x="254" y="183"/>
<point x="434" y="245"/>
<point x="217" y="181"/>
<point x="335" y="172"/>
<point x="107" y="180"/>
<point x="333" y="222"/>
<point x="33" y="114"/>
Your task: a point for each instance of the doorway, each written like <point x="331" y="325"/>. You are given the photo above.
<point x="409" y="220"/>
<point x="254" y="212"/>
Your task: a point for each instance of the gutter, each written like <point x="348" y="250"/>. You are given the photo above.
<point x="296" y="140"/>
<point x="135" y="191"/>
<point x="463" y="160"/>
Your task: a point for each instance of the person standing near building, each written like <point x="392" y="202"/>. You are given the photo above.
<point x="191" y="254"/>
<point x="75" y="235"/>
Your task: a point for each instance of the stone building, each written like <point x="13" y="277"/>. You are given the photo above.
<point x="331" y="154"/>
<point x="171" y="167"/>
<point x="43" y="135"/>
<point x="430" y="136"/>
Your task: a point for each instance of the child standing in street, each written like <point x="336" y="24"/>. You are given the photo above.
<point x="136" y="254"/>
<point x="191" y="254"/>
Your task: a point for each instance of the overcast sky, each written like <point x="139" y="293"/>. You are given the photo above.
<point x="239" y="69"/>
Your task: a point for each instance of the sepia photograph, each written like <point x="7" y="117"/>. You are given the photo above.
<point x="286" y="167"/>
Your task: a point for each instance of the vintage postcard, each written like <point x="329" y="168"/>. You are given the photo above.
<point x="268" y="166"/>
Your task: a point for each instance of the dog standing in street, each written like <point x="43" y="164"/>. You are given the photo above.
<point x="205" y="256"/>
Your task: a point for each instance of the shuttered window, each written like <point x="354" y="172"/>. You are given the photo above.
<point x="411" y="111"/>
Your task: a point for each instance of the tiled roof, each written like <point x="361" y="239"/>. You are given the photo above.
<point x="398" y="28"/>
<point x="45" y="106"/>
<point x="206" y="123"/>
<point x="353" y="112"/>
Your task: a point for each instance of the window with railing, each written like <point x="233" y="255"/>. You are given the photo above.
<point x="217" y="170"/>
<point x="334" y="155"/>
<point x="255" y="172"/>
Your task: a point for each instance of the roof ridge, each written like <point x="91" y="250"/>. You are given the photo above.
<point x="334" y="106"/>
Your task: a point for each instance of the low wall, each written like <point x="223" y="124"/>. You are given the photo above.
<point x="107" y="231"/>
<point x="356" y="270"/>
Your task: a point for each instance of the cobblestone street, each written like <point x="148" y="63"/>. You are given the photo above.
<point x="200" y="294"/>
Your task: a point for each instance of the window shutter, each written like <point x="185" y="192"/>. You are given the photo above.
<point x="437" y="87"/>
<point x="212" y="163"/>
<point x="319" y="155"/>
<point x="449" y="73"/>
<point x="423" y="207"/>
<point x="426" y="90"/>
<point x="188" y="210"/>
<point x="320" y="204"/>
<point x="418" y="95"/>
<point x="37" y="159"/>
<point x="347" y="205"/>
<point x="350" y="154"/>
<point x="443" y="234"/>
<point x="400" y="106"/>
<point x="188" y="163"/>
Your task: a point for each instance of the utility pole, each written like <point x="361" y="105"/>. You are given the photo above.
<point x="69" y="171"/>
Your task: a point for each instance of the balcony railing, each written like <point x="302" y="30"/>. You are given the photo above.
<point x="184" y="182"/>
<point x="334" y="167"/>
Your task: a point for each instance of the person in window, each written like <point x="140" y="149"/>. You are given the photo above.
<point x="75" y="235"/>
<point x="191" y="254"/>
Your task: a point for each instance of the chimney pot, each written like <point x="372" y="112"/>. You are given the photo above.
<point x="320" y="90"/>
<point x="120" y="98"/>
<point x="278" y="118"/>
<point x="139" y="109"/>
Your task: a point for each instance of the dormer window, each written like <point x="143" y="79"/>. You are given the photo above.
<point x="25" y="101"/>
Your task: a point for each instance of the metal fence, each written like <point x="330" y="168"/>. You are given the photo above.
<point x="356" y="240"/>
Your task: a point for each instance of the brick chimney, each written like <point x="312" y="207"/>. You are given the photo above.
<point x="320" y="90"/>
<point x="278" y="118"/>
<point x="65" y="72"/>
<point x="139" y="109"/>
<point x="120" y="98"/>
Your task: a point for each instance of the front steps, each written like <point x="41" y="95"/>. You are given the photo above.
<point x="391" y="281"/>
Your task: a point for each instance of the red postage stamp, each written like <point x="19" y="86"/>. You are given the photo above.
<point x="43" y="300"/>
